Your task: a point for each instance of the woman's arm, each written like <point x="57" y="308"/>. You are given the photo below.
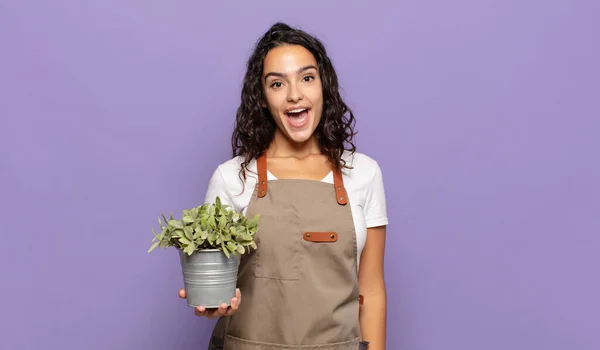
<point x="372" y="287"/>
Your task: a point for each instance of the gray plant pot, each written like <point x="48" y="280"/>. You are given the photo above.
<point x="209" y="277"/>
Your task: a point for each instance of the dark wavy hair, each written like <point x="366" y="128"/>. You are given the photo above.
<point x="254" y="126"/>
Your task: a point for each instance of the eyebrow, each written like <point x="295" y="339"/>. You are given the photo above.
<point x="277" y="74"/>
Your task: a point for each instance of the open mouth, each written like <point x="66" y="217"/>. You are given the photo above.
<point x="298" y="117"/>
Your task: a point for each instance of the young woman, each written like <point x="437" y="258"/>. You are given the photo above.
<point x="317" y="275"/>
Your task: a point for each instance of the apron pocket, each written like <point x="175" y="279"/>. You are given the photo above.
<point x="279" y="259"/>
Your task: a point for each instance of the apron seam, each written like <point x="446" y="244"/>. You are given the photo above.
<point x="355" y="341"/>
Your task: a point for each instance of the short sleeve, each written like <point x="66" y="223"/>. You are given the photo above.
<point x="375" y="210"/>
<point x="217" y="187"/>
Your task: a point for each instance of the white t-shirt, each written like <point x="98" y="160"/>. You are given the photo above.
<point x="364" y="184"/>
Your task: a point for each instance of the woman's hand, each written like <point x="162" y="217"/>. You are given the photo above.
<point x="222" y="310"/>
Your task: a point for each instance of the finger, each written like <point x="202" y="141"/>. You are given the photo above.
<point x="233" y="308"/>
<point x="182" y="293"/>
<point x="221" y="310"/>
<point x="211" y="313"/>
<point x="214" y="313"/>
<point x="200" y="311"/>
<point x="235" y="303"/>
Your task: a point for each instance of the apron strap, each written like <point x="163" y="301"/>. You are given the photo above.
<point x="261" y="165"/>
<point x="340" y="190"/>
<point x="338" y="182"/>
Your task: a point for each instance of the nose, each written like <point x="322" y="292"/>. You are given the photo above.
<point x="294" y="93"/>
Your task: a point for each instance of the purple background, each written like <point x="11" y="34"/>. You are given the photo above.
<point x="483" y="115"/>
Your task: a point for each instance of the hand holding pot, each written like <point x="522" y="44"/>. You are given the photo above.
<point x="222" y="310"/>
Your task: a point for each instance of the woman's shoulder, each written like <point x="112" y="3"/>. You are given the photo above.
<point x="233" y="166"/>
<point x="229" y="170"/>
<point x="363" y="169"/>
<point x="366" y="183"/>
<point x="227" y="182"/>
<point x="359" y="160"/>
<point x="360" y="165"/>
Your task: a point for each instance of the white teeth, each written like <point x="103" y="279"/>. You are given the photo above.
<point x="297" y="110"/>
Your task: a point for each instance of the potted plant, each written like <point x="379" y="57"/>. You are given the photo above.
<point x="210" y="240"/>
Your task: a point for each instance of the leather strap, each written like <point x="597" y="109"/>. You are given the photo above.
<point x="261" y="165"/>
<point x="340" y="190"/>
<point x="338" y="182"/>
<point x="321" y="237"/>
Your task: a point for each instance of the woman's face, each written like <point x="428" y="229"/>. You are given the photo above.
<point x="293" y="92"/>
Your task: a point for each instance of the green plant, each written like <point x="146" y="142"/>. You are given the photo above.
<point x="209" y="226"/>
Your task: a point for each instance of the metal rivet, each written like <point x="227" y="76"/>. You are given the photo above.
<point x="332" y="236"/>
<point x="308" y="235"/>
<point x="341" y="198"/>
<point x="262" y="191"/>
<point x="339" y="187"/>
<point x="262" y="182"/>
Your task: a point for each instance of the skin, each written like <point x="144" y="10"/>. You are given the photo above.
<point x="291" y="80"/>
<point x="371" y="284"/>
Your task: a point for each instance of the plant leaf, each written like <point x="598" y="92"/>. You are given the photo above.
<point x="222" y="222"/>
<point x="231" y="246"/>
<point x="175" y="224"/>
<point x="225" y="250"/>
<point x="241" y="249"/>
<point x="190" y="249"/>
<point x="253" y="222"/>
<point x="153" y="247"/>
<point x="189" y="232"/>
<point x="211" y="222"/>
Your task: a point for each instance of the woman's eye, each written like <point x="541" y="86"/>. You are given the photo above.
<point x="308" y="78"/>
<point x="276" y="84"/>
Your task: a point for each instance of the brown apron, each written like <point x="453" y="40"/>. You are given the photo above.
<point x="300" y="287"/>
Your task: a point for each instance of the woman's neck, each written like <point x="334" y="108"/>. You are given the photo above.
<point x="282" y="147"/>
